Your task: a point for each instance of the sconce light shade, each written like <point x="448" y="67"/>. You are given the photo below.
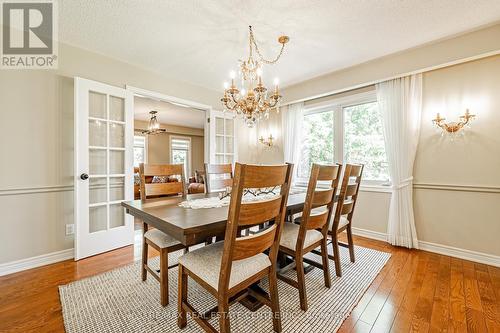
<point x="453" y="127"/>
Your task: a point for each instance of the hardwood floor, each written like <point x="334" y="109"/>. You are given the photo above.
<point x="416" y="291"/>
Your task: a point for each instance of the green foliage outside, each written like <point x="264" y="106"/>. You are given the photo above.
<point x="363" y="141"/>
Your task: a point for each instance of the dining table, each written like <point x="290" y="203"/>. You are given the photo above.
<point x="194" y="226"/>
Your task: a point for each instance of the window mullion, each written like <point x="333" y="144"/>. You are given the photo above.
<point x="338" y="134"/>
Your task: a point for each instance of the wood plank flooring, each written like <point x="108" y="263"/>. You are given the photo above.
<point x="416" y="291"/>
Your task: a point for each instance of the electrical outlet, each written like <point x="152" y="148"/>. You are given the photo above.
<point x="70" y="229"/>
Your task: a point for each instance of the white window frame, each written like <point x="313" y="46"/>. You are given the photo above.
<point x="190" y="151"/>
<point x="337" y="106"/>
<point x="145" y="147"/>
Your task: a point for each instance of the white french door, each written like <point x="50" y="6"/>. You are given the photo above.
<point x="222" y="138"/>
<point x="103" y="167"/>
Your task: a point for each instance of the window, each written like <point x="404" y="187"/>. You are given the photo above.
<point x="317" y="141"/>
<point x="139" y="150"/>
<point x="180" y="152"/>
<point x="348" y="130"/>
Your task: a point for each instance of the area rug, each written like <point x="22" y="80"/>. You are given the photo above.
<point x="118" y="301"/>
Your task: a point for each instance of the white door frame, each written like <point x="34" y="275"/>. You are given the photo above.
<point x="171" y="99"/>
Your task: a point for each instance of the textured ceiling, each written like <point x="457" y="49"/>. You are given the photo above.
<point x="168" y="113"/>
<point x="200" y="41"/>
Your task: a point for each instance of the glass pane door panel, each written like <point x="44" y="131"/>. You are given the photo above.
<point x="97" y="105"/>
<point x="228" y="159"/>
<point x="219" y="159"/>
<point x="116" y="135"/>
<point x="116" y="162"/>
<point x="229" y="145"/>
<point x="116" y="108"/>
<point x="219" y="126"/>
<point x="116" y="216"/>
<point x="97" y="161"/>
<point x="219" y="144"/>
<point x="97" y="133"/>
<point x="229" y="127"/>
<point x="98" y="190"/>
<point x="116" y="188"/>
<point x="98" y="218"/>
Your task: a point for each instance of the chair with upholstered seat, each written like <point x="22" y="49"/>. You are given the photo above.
<point x="297" y="240"/>
<point x="228" y="268"/>
<point x="343" y="214"/>
<point x="218" y="177"/>
<point x="155" y="238"/>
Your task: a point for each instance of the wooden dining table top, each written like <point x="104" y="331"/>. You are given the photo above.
<point x="187" y="225"/>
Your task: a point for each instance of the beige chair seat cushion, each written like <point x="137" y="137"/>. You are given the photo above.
<point x="205" y="263"/>
<point x="161" y="239"/>
<point x="342" y="223"/>
<point x="291" y="233"/>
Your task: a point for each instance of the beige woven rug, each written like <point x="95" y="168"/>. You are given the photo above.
<point x="118" y="301"/>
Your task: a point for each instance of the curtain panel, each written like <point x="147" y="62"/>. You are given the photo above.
<point x="400" y="102"/>
<point x="291" y="119"/>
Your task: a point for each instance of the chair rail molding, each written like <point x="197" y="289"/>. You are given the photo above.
<point x="480" y="257"/>
<point x="36" y="189"/>
<point x="457" y="187"/>
<point x="37" y="261"/>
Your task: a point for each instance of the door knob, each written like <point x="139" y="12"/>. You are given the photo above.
<point x="84" y="176"/>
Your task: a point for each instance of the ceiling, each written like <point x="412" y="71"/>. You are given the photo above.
<point x="200" y="41"/>
<point x="168" y="113"/>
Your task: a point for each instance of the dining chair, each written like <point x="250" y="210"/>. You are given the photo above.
<point x="218" y="177"/>
<point x="155" y="238"/>
<point x="298" y="240"/>
<point x="342" y="219"/>
<point x="228" y="268"/>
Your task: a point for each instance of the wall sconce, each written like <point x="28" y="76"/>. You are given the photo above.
<point x="454" y="127"/>
<point x="268" y="142"/>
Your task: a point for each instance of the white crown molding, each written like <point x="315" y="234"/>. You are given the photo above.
<point x="36" y="189"/>
<point x="458" y="187"/>
<point x="33" y="262"/>
<point x="480" y="257"/>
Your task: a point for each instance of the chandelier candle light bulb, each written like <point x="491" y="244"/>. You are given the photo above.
<point x="253" y="103"/>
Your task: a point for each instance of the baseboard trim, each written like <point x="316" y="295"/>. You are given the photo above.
<point x="451" y="251"/>
<point x="480" y="257"/>
<point x="369" y="234"/>
<point x="33" y="262"/>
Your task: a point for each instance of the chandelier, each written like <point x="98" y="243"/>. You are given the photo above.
<point x="154" y="125"/>
<point x="252" y="101"/>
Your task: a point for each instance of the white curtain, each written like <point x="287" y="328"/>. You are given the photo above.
<point x="292" y="132"/>
<point x="400" y="103"/>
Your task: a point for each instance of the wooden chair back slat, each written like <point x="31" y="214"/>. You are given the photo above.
<point x="218" y="168"/>
<point x="348" y="194"/>
<point x="162" y="169"/>
<point x="163" y="188"/>
<point x="322" y="197"/>
<point x="347" y="207"/>
<point x="328" y="172"/>
<point x="317" y="197"/>
<point x="218" y="184"/>
<point x="351" y="190"/>
<point x="317" y="220"/>
<point x="249" y="246"/>
<point x="148" y="171"/>
<point x="263" y="176"/>
<point x="224" y="171"/>
<point x="250" y="213"/>
<point x="257" y="212"/>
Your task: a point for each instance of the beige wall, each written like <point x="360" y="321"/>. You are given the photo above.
<point x="159" y="145"/>
<point x="36" y="145"/>
<point x="463" y="219"/>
